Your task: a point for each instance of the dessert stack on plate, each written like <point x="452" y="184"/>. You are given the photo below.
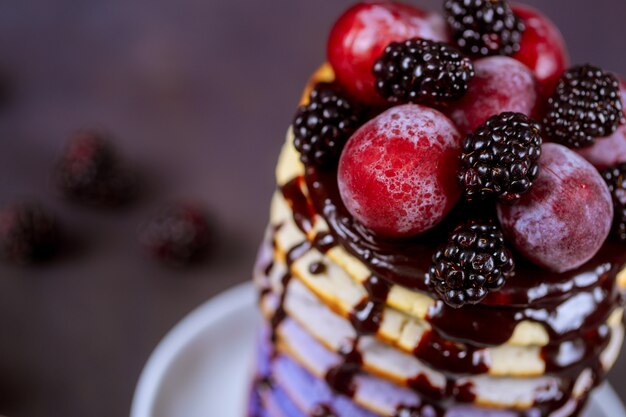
<point x="447" y="233"/>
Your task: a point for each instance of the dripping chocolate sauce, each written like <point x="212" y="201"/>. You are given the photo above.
<point x="404" y="262"/>
<point x="485" y="326"/>
<point x="303" y="209"/>
<point x="341" y="377"/>
<point x="430" y="410"/>
<point x="323" y="410"/>
<point x="266" y="289"/>
<point x="317" y="268"/>
<point x="280" y="314"/>
<point x="366" y="319"/>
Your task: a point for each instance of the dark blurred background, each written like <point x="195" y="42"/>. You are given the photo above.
<point x="198" y="94"/>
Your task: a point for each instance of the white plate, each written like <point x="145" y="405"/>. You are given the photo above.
<point x="203" y="366"/>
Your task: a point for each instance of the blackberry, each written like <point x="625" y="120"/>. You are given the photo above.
<point x="422" y="71"/>
<point x="585" y="105"/>
<point x="615" y="178"/>
<point x="484" y="27"/>
<point x="322" y="127"/>
<point x="474" y="261"/>
<point x="500" y="159"/>
<point x="90" y="171"/>
<point x="178" y="235"/>
<point x="28" y="233"/>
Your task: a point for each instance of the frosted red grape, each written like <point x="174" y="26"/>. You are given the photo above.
<point x="397" y="174"/>
<point x="363" y="32"/>
<point x="565" y="218"/>
<point x="542" y="48"/>
<point x="501" y="84"/>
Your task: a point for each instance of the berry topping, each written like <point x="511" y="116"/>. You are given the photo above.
<point x="179" y="235"/>
<point x="566" y="216"/>
<point x="89" y="171"/>
<point x="323" y="126"/>
<point x="585" y="105"/>
<point x="500" y="159"/>
<point x="361" y="35"/>
<point x="397" y="174"/>
<point x="422" y="71"/>
<point x="474" y="261"/>
<point x="615" y="178"/>
<point x="501" y="84"/>
<point x="28" y="233"/>
<point x="611" y="150"/>
<point x="484" y="27"/>
<point x="542" y="49"/>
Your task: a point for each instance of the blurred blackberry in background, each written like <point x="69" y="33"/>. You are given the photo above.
<point x="179" y="235"/>
<point x="90" y="172"/>
<point x="28" y="233"/>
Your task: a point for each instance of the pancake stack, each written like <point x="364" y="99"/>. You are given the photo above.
<point x="352" y="329"/>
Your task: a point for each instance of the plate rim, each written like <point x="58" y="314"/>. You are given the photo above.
<point x="192" y="325"/>
<point x="219" y="308"/>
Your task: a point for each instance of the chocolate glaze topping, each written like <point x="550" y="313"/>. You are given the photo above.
<point x="566" y="360"/>
<point x="405" y="261"/>
<point x="378" y="289"/>
<point x="563" y="319"/>
<point x="572" y="306"/>
<point x="451" y="357"/>
<point x="401" y="260"/>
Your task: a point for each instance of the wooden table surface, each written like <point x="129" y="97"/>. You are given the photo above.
<point x="199" y="94"/>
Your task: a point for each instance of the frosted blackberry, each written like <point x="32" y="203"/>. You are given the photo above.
<point x="474" y="262"/>
<point x="500" y="159"/>
<point x="615" y="178"/>
<point x="484" y="27"/>
<point x="422" y="71"/>
<point x="323" y="126"/>
<point x="585" y="105"/>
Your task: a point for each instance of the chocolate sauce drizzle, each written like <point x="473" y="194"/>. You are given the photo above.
<point x="280" y="314"/>
<point x="405" y="261"/>
<point x="303" y="209"/>
<point x="366" y="319"/>
<point x="570" y="306"/>
<point x="266" y="288"/>
<point x="317" y="268"/>
<point x="341" y="377"/>
<point x="485" y="326"/>
<point x="323" y="410"/>
<point x="450" y="357"/>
